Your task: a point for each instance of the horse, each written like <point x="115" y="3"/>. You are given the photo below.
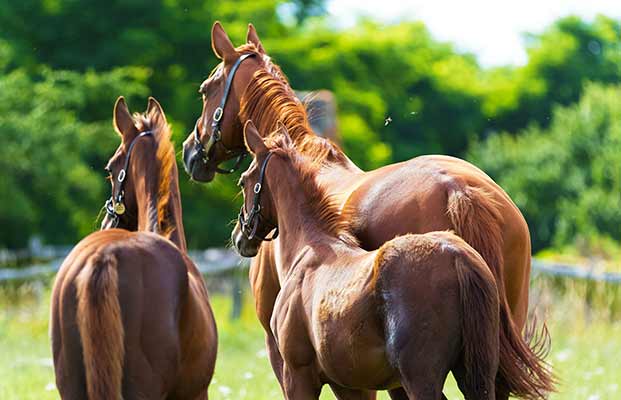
<point x="399" y="317"/>
<point x="424" y="194"/>
<point x="130" y="314"/>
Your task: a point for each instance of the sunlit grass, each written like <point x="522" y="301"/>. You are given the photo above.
<point x="585" y="351"/>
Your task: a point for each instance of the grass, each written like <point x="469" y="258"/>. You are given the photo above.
<point x="586" y="347"/>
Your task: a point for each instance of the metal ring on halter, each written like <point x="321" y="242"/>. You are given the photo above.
<point x="208" y="150"/>
<point x="217" y="114"/>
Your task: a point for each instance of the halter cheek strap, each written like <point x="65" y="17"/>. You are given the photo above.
<point x="250" y="224"/>
<point x="216" y="120"/>
<point x="114" y="205"/>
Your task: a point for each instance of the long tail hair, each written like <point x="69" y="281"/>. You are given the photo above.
<point x="522" y="371"/>
<point x="479" y="310"/>
<point x="101" y="327"/>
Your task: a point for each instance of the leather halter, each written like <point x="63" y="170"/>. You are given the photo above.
<point x="216" y="134"/>
<point x="114" y="205"/>
<point x="250" y="224"/>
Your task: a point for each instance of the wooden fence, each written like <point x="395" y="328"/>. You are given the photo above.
<point x="219" y="260"/>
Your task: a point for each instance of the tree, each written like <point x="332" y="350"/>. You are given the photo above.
<point x="566" y="179"/>
<point x="56" y="134"/>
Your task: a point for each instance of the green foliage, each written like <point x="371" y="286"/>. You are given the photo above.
<point x="399" y="92"/>
<point x="405" y="87"/>
<point x="56" y="137"/>
<point x="562" y="60"/>
<point x="566" y="179"/>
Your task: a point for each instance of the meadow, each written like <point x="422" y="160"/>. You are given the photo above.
<point x="586" y="346"/>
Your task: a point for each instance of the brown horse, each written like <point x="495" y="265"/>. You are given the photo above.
<point x="402" y="316"/>
<point x="130" y="312"/>
<point x="427" y="193"/>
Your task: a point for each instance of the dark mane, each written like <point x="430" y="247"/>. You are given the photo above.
<point x="166" y="158"/>
<point x="322" y="206"/>
<point x="269" y="99"/>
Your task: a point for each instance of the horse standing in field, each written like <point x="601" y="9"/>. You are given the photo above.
<point x="400" y="317"/>
<point x="130" y="312"/>
<point x="427" y="193"/>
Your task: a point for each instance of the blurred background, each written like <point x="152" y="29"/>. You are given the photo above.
<point x="529" y="91"/>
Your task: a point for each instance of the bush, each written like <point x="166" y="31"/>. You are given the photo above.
<point x="566" y="178"/>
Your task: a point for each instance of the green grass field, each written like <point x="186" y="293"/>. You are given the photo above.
<point x="584" y="355"/>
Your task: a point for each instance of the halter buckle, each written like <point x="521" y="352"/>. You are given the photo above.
<point x="121" y="177"/>
<point x="257" y="188"/>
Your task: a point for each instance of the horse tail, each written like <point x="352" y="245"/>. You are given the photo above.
<point x="523" y="371"/>
<point x="476" y="217"/>
<point x="479" y="323"/>
<point x="101" y="327"/>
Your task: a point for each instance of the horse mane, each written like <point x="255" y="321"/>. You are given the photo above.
<point x="269" y="99"/>
<point x="165" y="156"/>
<point x="321" y="205"/>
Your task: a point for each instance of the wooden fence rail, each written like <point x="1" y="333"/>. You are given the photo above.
<point x="218" y="260"/>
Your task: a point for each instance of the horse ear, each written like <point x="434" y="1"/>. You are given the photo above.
<point x="220" y="43"/>
<point x="252" y="37"/>
<point x="156" y="113"/>
<point x="284" y="132"/>
<point x="254" y="141"/>
<point x="154" y="107"/>
<point x="122" y="119"/>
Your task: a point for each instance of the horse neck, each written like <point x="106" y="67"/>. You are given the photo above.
<point x="297" y="225"/>
<point x="148" y="218"/>
<point x="174" y="212"/>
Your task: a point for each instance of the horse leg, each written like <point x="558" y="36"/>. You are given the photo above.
<point x="265" y="288"/>
<point x="459" y="372"/>
<point x="274" y="356"/>
<point x="343" y="393"/>
<point x="204" y="395"/>
<point x="300" y="383"/>
<point x="424" y="358"/>
<point x="400" y="394"/>
<point x="68" y="363"/>
<point x="422" y="380"/>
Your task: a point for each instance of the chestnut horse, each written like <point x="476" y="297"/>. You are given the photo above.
<point x="402" y="316"/>
<point x="427" y="193"/>
<point x="130" y="312"/>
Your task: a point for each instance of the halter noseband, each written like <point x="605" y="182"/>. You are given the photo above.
<point x="250" y="224"/>
<point x="216" y="134"/>
<point x="114" y="205"/>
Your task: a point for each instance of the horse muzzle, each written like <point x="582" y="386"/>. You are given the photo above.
<point x="194" y="164"/>
<point x="244" y="246"/>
